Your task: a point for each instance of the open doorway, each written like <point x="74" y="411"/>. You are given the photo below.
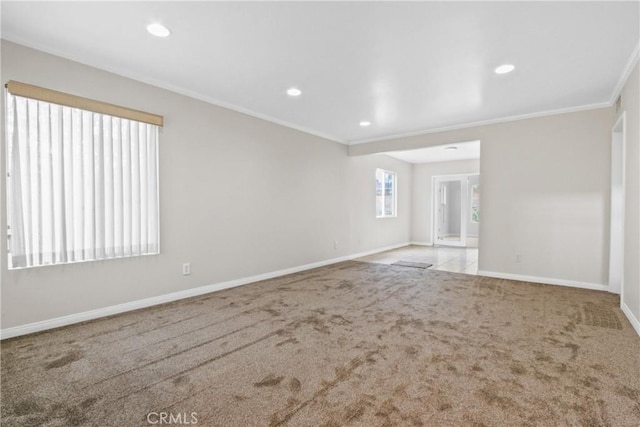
<point x="456" y="210"/>
<point x="450" y="253"/>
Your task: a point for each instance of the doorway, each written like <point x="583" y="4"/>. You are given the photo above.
<point x="616" y="247"/>
<point x="456" y="210"/>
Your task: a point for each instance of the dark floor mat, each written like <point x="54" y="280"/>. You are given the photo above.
<point x="412" y="264"/>
<point x="602" y="316"/>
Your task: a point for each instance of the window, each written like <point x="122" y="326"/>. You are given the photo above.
<point x="475" y="203"/>
<point x="81" y="185"/>
<point x="385" y="193"/>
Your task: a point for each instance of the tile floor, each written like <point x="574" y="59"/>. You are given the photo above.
<point x="456" y="260"/>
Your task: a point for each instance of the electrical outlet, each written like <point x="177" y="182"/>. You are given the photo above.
<point x="186" y="269"/>
<point x="518" y="257"/>
<point x="335" y="244"/>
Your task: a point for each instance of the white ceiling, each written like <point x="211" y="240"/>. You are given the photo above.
<point x="440" y="153"/>
<point x="407" y="67"/>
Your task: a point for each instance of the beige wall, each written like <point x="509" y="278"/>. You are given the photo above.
<point x="365" y="229"/>
<point x="239" y="197"/>
<point x="545" y="193"/>
<point x="422" y="199"/>
<point x="631" y="105"/>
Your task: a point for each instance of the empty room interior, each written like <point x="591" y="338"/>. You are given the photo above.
<point x="320" y="213"/>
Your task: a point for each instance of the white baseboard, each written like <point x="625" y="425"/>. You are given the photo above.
<point x="421" y="243"/>
<point x="627" y="312"/>
<point x="361" y="254"/>
<point x="544" y="280"/>
<point x="174" y="296"/>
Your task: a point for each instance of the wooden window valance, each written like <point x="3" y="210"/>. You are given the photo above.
<point x="55" y="97"/>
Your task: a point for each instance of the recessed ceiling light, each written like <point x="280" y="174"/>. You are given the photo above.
<point x="158" y="30"/>
<point x="451" y="148"/>
<point x="504" y="69"/>
<point x="365" y="123"/>
<point x="294" y="91"/>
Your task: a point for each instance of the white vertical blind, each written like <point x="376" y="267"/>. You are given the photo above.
<point x="81" y="185"/>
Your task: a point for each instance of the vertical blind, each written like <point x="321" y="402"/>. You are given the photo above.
<point x="81" y="185"/>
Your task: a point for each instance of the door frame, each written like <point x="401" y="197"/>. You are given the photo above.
<point x="616" y="240"/>
<point x="464" y="189"/>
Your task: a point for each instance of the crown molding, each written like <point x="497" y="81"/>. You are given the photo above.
<point x="486" y="122"/>
<point x="626" y="71"/>
<point x="172" y="88"/>
<point x="631" y="62"/>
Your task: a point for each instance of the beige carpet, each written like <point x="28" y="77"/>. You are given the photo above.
<point x="349" y="344"/>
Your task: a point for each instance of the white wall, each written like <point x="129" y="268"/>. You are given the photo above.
<point x="239" y="197"/>
<point x="422" y="198"/>
<point x="545" y="194"/>
<point x="631" y="278"/>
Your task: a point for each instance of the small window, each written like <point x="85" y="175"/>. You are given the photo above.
<point x="475" y="203"/>
<point x="81" y="185"/>
<point x="386" y="185"/>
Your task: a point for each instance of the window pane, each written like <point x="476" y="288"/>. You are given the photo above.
<point x="385" y="193"/>
<point x="389" y="186"/>
<point x="379" y="195"/>
<point x="475" y="203"/>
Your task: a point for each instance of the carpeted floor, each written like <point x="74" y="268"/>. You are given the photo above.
<point x="349" y="344"/>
